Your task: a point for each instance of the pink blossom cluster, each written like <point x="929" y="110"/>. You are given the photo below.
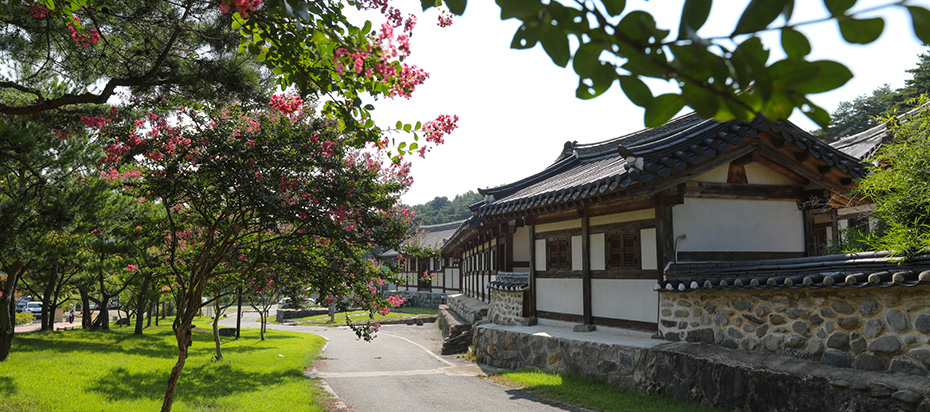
<point x="396" y="300"/>
<point x="289" y="104"/>
<point x="95" y="232"/>
<point x="328" y="149"/>
<point x="131" y="267"/>
<point x="410" y="77"/>
<point x="445" y="19"/>
<point x="95" y="122"/>
<point x="242" y="6"/>
<point x="38" y="11"/>
<point x="81" y="39"/>
<point x="114" y="175"/>
<point x="61" y="133"/>
<point x="435" y="130"/>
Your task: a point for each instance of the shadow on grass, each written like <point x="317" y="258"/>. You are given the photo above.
<point x="197" y="385"/>
<point x="517" y="394"/>
<point x="8" y="387"/>
<point x="106" y="342"/>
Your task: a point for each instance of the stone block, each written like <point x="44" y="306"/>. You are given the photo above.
<point x="607" y="366"/>
<point x="795" y="341"/>
<point x="797" y="313"/>
<point x="907" y="396"/>
<point x="763" y="310"/>
<point x="720" y="319"/>
<point x="839" y="341"/>
<point x="881" y="390"/>
<point x="734" y="333"/>
<point x="753" y="319"/>
<point x="857" y="345"/>
<point x="777" y="319"/>
<point x="921" y="355"/>
<point x="842" y="307"/>
<point x="868" y="306"/>
<point x="827" y="312"/>
<point x="682" y="313"/>
<point x="888" y="344"/>
<point x="741" y="305"/>
<point x="873" y="327"/>
<point x="922" y="323"/>
<point x="762" y="330"/>
<point x="700" y="335"/>
<point x="849" y="322"/>
<point x="814" y="348"/>
<point x="838" y="359"/>
<point x="815" y="319"/>
<point x="897" y="320"/>
<point x="908" y="367"/>
<point x="800" y="327"/>
<point x="869" y="362"/>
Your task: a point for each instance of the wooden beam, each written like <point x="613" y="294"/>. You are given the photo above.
<point x="779" y="157"/>
<point x="742" y="191"/>
<point x="665" y="238"/>
<point x="586" y="268"/>
<point x="736" y="173"/>
<point x="531" y="293"/>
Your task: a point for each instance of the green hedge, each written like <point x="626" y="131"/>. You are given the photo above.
<point x="23" y="318"/>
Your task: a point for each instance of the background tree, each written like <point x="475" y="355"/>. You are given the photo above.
<point x="441" y="210"/>
<point x="899" y="184"/>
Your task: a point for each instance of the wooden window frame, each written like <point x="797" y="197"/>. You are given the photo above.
<point x="559" y="248"/>
<point x="630" y="244"/>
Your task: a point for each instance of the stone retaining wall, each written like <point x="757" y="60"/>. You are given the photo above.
<point x="419" y="299"/>
<point x="704" y="374"/>
<point x="506" y="308"/>
<point x="470" y="309"/>
<point x="284" y="314"/>
<point x="874" y="329"/>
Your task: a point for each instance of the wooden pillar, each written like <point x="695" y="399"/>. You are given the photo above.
<point x="810" y="242"/>
<point x="508" y="251"/>
<point x="531" y="293"/>
<point x="586" y="268"/>
<point x="665" y="237"/>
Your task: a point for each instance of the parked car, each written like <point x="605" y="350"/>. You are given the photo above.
<point x="21" y="305"/>
<point x="35" y="308"/>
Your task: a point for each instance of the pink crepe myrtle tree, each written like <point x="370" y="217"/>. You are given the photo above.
<point x="241" y="189"/>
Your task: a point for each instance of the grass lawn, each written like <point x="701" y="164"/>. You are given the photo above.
<point x="118" y="371"/>
<point x="354" y="316"/>
<point x="589" y="393"/>
<point x="420" y="311"/>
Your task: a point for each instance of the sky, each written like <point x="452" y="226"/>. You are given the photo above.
<point x="517" y="108"/>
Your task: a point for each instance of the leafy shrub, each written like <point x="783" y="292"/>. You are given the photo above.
<point x="23" y="318"/>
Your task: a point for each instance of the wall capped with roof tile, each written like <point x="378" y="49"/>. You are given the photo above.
<point x="876" y="329"/>
<point x="506" y="308"/>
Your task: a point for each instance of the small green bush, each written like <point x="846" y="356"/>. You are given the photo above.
<point x="23" y="318"/>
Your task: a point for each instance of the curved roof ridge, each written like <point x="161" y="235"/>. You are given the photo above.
<point x="504" y="190"/>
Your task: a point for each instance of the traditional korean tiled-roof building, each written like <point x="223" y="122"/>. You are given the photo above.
<point x="594" y="231"/>
<point x="422" y="266"/>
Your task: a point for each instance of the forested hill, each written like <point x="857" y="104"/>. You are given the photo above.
<point x="862" y="113"/>
<point x="442" y="210"/>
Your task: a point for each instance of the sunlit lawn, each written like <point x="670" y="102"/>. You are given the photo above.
<point x="591" y="394"/>
<point x="118" y="371"/>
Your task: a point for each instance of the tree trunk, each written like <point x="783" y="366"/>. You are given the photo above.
<point x="183" y="337"/>
<point x="239" y="312"/>
<point x="140" y="307"/>
<point x="8" y="310"/>
<point x="48" y="314"/>
<point x="86" y="314"/>
<point x="216" y="329"/>
<point x="157" y="308"/>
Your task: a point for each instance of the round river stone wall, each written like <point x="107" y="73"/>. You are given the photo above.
<point x="874" y="329"/>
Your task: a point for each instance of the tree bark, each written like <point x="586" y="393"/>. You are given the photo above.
<point x="48" y="314"/>
<point x="140" y="307"/>
<point x="86" y="314"/>
<point x="239" y="312"/>
<point x="8" y="310"/>
<point x="216" y="329"/>
<point x="183" y="337"/>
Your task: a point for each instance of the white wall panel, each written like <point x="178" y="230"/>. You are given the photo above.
<point x="559" y="295"/>
<point x="738" y="225"/>
<point x="626" y="299"/>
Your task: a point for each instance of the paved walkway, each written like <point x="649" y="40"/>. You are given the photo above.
<point x="401" y="370"/>
<point x="38" y="325"/>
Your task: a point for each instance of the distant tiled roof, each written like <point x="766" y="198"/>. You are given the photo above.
<point x="833" y="271"/>
<point x="585" y="170"/>
<point x="510" y="282"/>
<point x="435" y="236"/>
<point x="863" y="145"/>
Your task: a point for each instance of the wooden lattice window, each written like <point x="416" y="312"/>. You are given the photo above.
<point x="623" y="250"/>
<point x="558" y="253"/>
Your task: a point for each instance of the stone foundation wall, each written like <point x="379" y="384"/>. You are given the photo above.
<point x="470" y="309"/>
<point x="704" y="374"/>
<point x="419" y="299"/>
<point x="284" y="314"/>
<point x="872" y="329"/>
<point x="506" y="308"/>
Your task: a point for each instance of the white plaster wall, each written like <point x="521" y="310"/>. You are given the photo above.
<point x="738" y="225"/>
<point x="628" y="299"/>
<point x="598" y="252"/>
<point x="454" y="277"/>
<point x="540" y="254"/>
<point x="560" y="295"/>
<point x="718" y="175"/>
<point x="647" y="245"/>
<point x="521" y="245"/>
<point x="758" y="174"/>
<point x="565" y="224"/>
<point x="623" y="217"/>
<point x="576" y="253"/>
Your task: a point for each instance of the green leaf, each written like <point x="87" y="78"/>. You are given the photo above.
<point x="597" y="83"/>
<point x="758" y="15"/>
<point x="663" y="108"/>
<point x="399" y="125"/>
<point x="788" y="9"/>
<point x="369" y="106"/>
<point x="526" y="37"/>
<point x="838" y="7"/>
<point x="555" y="43"/>
<point x="693" y="15"/>
<point x="778" y="107"/>
<point x="921" y="19"/>
<point x="456" y="6"/>
<point x="418" y="126"/>
<point x="428" y="4"/>
<point x="614" y="7"/>
<point x="817" y="114"/>
<point x="748" y="62"/>
<point x="703" y="101"/>
<point x="794" y="43"/>
<point x="407" y="128"/>
<point x="277" y="70"/>
<point x="641" y="27"/>
<point x="636" y="90"/>
<point x="413" y="146"/>
<point x="830" y="75"/>
<point x="587" y="58"/>
<point x="525" y="10"/>
<point x="862" y="31"/>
